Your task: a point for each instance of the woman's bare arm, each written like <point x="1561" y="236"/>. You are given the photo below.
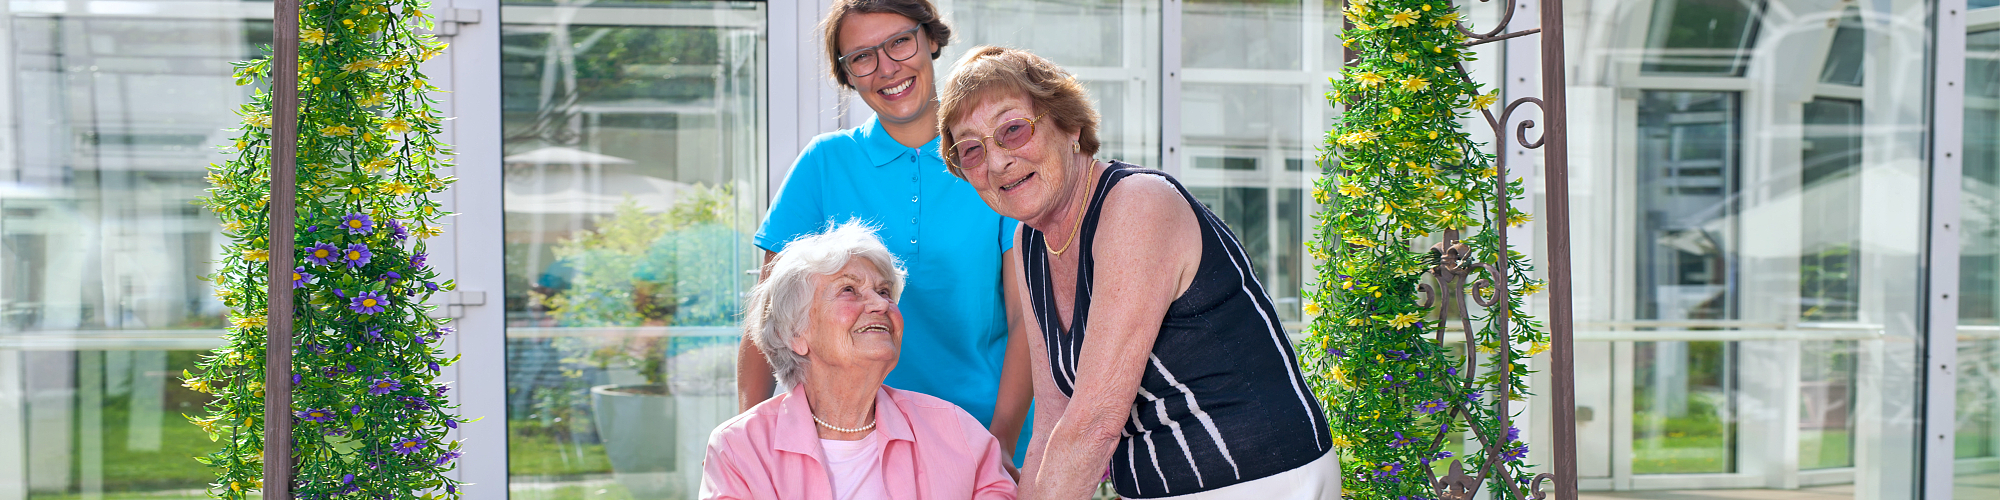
<point x="1146" y="250"/>
<point x="1010" y="408"/>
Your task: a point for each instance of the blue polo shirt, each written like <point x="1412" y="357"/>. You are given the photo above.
<point x="954" y="320"/>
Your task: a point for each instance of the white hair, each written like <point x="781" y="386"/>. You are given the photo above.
<point x="778" y="308"/>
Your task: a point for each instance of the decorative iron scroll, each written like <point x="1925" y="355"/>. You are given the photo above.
<point x="1404" y="173"/>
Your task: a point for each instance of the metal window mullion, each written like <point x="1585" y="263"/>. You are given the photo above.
<point x="1947" y="134"/>
<point x="1170" y="87"/>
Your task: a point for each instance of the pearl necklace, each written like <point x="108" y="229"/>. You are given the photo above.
<point x="822" y="423"/>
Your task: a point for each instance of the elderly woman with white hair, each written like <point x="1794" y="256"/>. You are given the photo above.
<point x="826" y="318"/>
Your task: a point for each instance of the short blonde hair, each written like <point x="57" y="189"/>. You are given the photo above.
<point x="779" y="308"/>
<point x="988" y="72"/>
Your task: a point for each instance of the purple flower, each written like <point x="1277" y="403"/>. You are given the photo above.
<point x="374" y="333"/>
<point x="450" y="488"/>
<point x="312" y="228"/>
<point x="430" y="286"/>
<point x="441" y="389"/>
<point x="1474" y="396"/>
<point x="1451" y="370"/>
<point x="300" y="278"/>
<point x="382" y="386"/>
<point x="1430" y="407"/>
<point x="390" y="276"/>
<point x="322" y="254"/>
<point x="367" y="302"/>
<point x="347" y="479"/>
<point x="396" y="230"/>
<point x="357" y="223"/>
<point x="1517" y="453"/>
<point x="1336" y="352"/>
<point x="314" y="415"/>
<point x="1513" y="434"/>
<point x="1388" y="377"/>
<point x="296" y="379"/>
<point x="336" y="431"/>
<point x="1401" y="441"/>
<point x="357" y="255"/>
<point x="417" y="403"/>
<point x="418" y="259"/>
<point x="356" y="409"/>
<point x="1389" y="469"/>
<point x="446" y="457"/>
<point x="435" y="368"/>
<point x="407" y="446"/>
<point x="451" y="423"/>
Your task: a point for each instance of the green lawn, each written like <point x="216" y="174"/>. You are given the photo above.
<point x="532" y="451"/>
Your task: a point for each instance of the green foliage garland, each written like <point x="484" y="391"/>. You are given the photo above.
<point x="1397" y="170"/>
<point x="370" y="421"/>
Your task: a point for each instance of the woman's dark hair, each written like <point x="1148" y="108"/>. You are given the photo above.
<point x="920" y="11"/>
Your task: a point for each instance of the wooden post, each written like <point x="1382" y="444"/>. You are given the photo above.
<point x="283" y="216"/>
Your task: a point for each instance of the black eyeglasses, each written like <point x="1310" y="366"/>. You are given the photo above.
<point x="863" y="62"/>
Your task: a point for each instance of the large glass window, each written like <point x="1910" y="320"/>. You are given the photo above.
<point x="633" y="137"/>
<point x="1748" y="244"/>
<point x="111" y="121"/>
<point x="1978" y="443"/>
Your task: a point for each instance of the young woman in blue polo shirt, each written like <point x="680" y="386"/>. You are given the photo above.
<point x="959" y="341"/>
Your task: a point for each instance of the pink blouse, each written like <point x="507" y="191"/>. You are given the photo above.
<point x="932" y="450"/>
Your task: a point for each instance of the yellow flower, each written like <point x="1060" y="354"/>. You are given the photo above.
<point x="1403" y="19"/>
<point x="361" y="65"/>
<point x="372" y="100"/>
<point x="249" y="321"/>
<point x="397" y="125"/>
<point x="379" y="164"/>
<point x="196" y="385"/>
<point x="259" y="121"/>
<point x="1403" y="320"/>
<point x="1340" y="375"/>
<point x="1520" y="220"/>
<point x="1406" y="145"/>
<point x="1416" y="83"/>
<point x="257" y="254"/>
<point x="232" y="226"/>
<point x="1434" y="134"/>
<point x="315" y="80"/>
<point x="1446" y="20"/>
<point x="312" y="36"/>
<point x="1370" y="79"/>
<point x="1400" y="57"/>
<point x="1356" y="137"/>
<point x="1352" y="190"/>
<point x="1319" y="195"/>
<point x="1532" y="288"/>
<point x="1489" y="172"/>
<point x="337" y="131"/>
<point x="427" y="231"/>
<point x="1312" y="308"/>
<point x="1357" y="240"/>
<point x="397" y="188"/>
<point x="1483" y="101"/>
<point x="1356" y="322"/>
<point x="1537" y="348"/>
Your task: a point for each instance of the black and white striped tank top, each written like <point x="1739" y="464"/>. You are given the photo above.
<point x="1222" y="401"/>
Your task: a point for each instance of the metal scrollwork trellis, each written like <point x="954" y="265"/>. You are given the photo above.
<point x="1454" y="267"/>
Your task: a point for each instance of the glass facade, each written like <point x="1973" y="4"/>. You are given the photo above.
<point x="1748" y="268"/>
<point x="1749" y="184"/>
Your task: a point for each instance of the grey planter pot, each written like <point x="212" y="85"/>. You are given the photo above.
<point x="637" y="426"/>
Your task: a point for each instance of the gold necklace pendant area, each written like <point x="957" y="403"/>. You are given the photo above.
<point x="1077" y="228"/>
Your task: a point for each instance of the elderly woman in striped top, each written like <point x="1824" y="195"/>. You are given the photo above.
<point x="1160" y="352"/>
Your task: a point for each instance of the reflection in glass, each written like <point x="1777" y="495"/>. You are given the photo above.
<point x="1844" y="54"/>
<point x="1978" y="443"/>
<point x="1703" y="37"/>
<point x="110" y="124"/>
<point x="634" y="177"/>
<point x="1687" y="177"/>
<point x="1264" y="34"/>
<point x="1112" y="46"/>
<point x="1683" y="407"/>
<point x="1829" y="265"/>
<point x="1245" y="159"/>
<point x="1826" y="404"/>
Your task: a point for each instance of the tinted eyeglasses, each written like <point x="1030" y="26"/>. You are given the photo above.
<point x="863" y="62"/>
<point x="970" y="153"/>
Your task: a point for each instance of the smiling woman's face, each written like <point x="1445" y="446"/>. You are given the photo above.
<point x="898" y="91"/>
<point x="1030" y="183"/>
<point x="853" y="324"/>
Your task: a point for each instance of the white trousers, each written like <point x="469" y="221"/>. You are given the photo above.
<point x="1317" y="480"/>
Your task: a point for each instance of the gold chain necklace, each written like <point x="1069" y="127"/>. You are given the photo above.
<point x="1077" y="228"/>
